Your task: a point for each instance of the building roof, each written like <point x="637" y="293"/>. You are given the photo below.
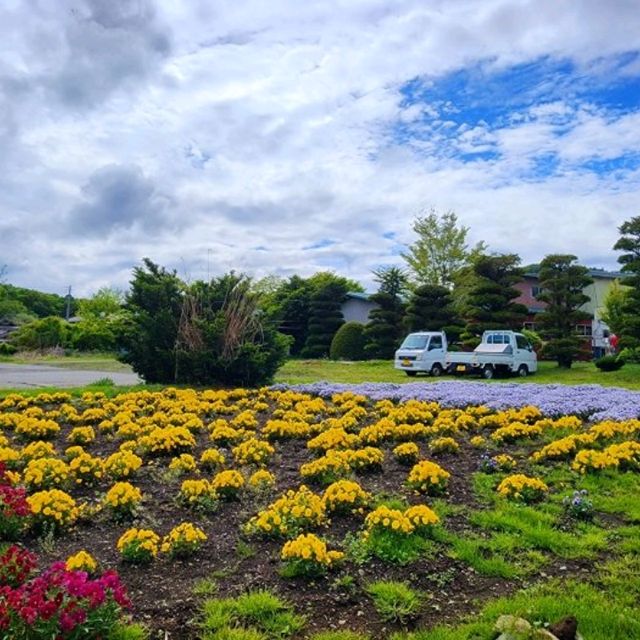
<point x="533" y="271"/>
<point x="359" y="295"/>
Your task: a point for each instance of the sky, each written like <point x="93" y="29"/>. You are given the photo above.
<point x="287" y="137"/>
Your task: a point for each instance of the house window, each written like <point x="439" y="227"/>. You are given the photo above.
<point x="583" y="329"/>
<point x="536" y="291"/>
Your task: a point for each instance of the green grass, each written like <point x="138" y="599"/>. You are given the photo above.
<point x="80" y="361"/>
<point x="607" y="609"/>
<point x="260" y="612"/>
<point x="394" y="601"/>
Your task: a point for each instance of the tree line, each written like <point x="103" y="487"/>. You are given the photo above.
<point x="239" y="331"/>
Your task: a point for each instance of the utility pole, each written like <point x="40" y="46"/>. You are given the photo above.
<point x="67" y="313"/>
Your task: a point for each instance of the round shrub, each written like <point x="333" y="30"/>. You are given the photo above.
<point x="348" y="343"/>
<point x="609" y="363"/>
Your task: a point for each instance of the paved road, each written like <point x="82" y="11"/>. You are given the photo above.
<point x="32" y="376"/>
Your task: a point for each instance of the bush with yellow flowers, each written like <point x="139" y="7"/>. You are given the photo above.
<point x="365" y="459"/>
<point x="521" y="488"/>
<point x="81" y="561"/>
<point x="52" y="510"/>
<point x="327" y="469"/>
<point x="428" y="477"/>
<point x="345" y="496"/>
<point x="164" y="441"/>
<point x="307" y="556"/>
<point x="122" y="464"/>
<point x="592" y="460"/>
<point x="224" y="435"/>
<point x="444" y="445"/>
<point x="261" y="480"/>
<point x="422" y="518"/>
<point x="183" y="541"/>
<point x="138" y="546"/>
<point x="123" y="499"/>
<point x="81" y="435"/>
<point x="626" y="453"/>
<point x="73" y="452"/>
<point x="285" y="429"/>
<point x="86" y="469"/>
<point x="37" y="449"/>
<point x="290" y="514"/>
<point x="46" y="473"/>
<point x="36" y="429"/>
<point x="332" y="439"/>
<point x="407" y="453"/>
<point x="477" y="441"/>
<point x="198" y="493"/>
<point x="558" y="449"/>
<point x="253" y="451"/>
<point x="184" y="463"/>
<point x="211" y="459"/>
<point x="390" y="535"/>
<point x="228" y="484"/>
<point x="516" y="430"/>
<point x="10" y="457"/>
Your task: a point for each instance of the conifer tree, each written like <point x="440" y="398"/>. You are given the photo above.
<point x="630" y="261"/>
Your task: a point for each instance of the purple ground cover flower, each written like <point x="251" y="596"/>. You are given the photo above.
<point x="592" y="402"/>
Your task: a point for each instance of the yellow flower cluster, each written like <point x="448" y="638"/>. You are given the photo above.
<point x="444" y="445"/>
<point x="183" y="540"/>
<point x="223" y="434"/>
<point x="138" y="545"/>
<point x="45" y="473"/>
<point x="81" y="561"/>
<point x="245" y="420"/>
<point x="307" y="548"/>
<point x="122" y="464"/>
<point x="293" y="511"/>
<point x="85" y="468"/>
<point x="522" y="488"/>
<point x="35" y="429"/>
<point x="477" y="441"/>
<point x="625" y="454"/>
<point x="81" y="435"/>
<point x="253" y="451"/>
<point x="390" y="519"/>
<point x="53" y="507"/>
<point x="284" y="429"/>
<point x="123" y="498"/>
<point x="211" y="458"/>
<point x="345" y="496"/>
<point x="184" y="463"/>
<point x="168" y="440"/>
<point x="428" y="477"/>
<point x="332" y="439"/>
<point x="364" y="459"/>
<point x="262" y="479"/>
<point x="10" y="457"/>
<point x="421" y="517"/>
<point x="515" y="430"/>
<point x="333" y="465"/>
<point x="227" y="484"/>
<point x="407" y="452"/>
<point x="504" y="461"/>
<point x="562" y="448"/>
<point x="38" y="449"/>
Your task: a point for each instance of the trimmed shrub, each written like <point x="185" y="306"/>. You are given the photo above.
<point x="348" y="343"/>
<point x="609" y="363"/>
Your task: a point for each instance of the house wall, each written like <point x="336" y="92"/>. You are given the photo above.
<point x="356" y="310"/>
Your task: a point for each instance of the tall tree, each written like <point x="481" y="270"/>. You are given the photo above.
<point x="489" y="300"/>
<point x="562" y="284"/>
<point x="431" y="308"/>
<point x="325" y="318"/>
<point x="629" y="242"/>
<point x="614" y="307"/>
<point x="440" y="250"/>
<point x="384" y="330"/>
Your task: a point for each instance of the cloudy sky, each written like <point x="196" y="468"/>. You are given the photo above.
<point x="288" y="137"/>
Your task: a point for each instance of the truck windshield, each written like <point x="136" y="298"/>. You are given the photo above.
<point x="415" y="341"/>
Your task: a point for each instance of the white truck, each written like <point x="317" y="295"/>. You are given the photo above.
<point x="422" y="352"/>
<point x="499" y="352"/>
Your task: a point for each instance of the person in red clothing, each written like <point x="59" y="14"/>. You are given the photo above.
<point x="613" y="343"/>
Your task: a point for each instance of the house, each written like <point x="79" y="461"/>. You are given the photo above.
<point x="529" y="288"/>
<point x="357" y="307"/>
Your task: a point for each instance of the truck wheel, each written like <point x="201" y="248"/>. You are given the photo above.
<point x="487" y="372"/>
<point x="523" y="371"/>
<point x="436" y="370"/>
<point x="411" y="374"/>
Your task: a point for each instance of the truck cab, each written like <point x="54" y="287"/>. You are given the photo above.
<point x="423" y="351"/>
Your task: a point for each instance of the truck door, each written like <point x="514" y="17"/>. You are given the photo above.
<point x="525" y="354"/>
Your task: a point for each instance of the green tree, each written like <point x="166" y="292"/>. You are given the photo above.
<point x="440" y="250"/>
<point x="102" y="321"/>
<point x="154" y="305"/>
<point x="384" y="330"/>
<point x="562" y="284"/>
<point x="489" y="300"/>
<point x="614" y="307"/>
<point x="348" y="343"/>
<point x="431" y="308"/>
<point x="43" y="333"/>
<point x="629" y="243"/>
<point x="325" y="318"/>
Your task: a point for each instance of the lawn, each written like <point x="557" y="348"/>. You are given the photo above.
<point x="430" y="528"/>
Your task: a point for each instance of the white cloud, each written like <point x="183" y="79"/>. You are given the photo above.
<point x="271" y="124"/>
